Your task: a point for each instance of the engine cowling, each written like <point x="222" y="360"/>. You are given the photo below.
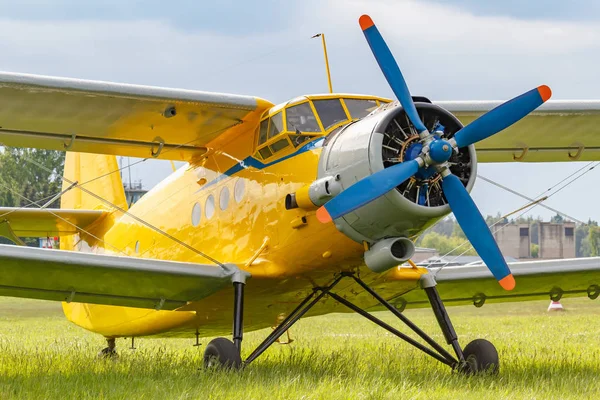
<point x="381" y="140"/>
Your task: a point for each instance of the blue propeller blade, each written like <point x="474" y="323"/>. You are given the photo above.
<point x="390" y="69"/>
<point x="367" y="190"/>
<point x="502" y="116"/>
<point x="473" y="225"/>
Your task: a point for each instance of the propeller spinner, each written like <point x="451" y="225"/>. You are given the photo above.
<point x="435" y="153"/>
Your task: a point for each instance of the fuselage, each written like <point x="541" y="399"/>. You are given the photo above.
<point x="230" y="205"/>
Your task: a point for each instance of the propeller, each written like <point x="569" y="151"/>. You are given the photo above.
<point x="436" y="152"/>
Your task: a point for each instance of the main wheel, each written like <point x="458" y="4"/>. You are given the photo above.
<point x="481" y="357"/>
<point x="222" y="353"/>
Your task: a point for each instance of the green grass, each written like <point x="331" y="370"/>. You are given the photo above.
<point x="340" y="356"/>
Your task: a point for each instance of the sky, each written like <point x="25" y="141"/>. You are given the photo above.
<point x="448" y="50"/>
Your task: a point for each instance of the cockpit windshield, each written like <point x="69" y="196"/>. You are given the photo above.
<point x="300" y="118"/>
<point x="360" y="108"/>
<point x="291" y="125"/>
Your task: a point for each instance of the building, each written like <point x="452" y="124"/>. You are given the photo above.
<point x="556" y="240"/>
<point x="424" y="253"/>
<point x="133" y="192"/>
<point x="514" y="240"/>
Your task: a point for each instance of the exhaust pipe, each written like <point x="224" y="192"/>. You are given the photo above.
<point x="389" y="253"/>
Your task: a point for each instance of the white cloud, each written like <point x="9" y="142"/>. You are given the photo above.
<point x="445" y="53"/>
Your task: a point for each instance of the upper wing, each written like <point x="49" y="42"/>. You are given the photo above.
<point x="574" y="277"/>
<point x="560" y="130"/>
<point x="113" y="280"/>
<point x="111" y="118"/>
<point x="42" y="222"/>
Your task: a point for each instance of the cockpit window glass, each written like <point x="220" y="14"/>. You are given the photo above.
<point x="262" y="136"/>
<point x="276" y="125"/>
<point x="265" y="152"/>
<point x="360" y="108"/>
<point x="330" y="112"/>
<point x="279" y="145"/>
<point x="301" y="118"/>
<point x="297" y="140"/>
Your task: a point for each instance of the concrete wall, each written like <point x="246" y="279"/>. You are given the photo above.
<point x="556" y="240"/>
<point x="514" y="240"/>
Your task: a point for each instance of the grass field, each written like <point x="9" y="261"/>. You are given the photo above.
<point x="340" y="356"/>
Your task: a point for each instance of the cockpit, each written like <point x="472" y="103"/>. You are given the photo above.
<point x="286" y="127"/>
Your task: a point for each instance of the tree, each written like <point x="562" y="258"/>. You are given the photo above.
<point x="30" y="175"/>
<point x="444" y="245"/>
<point x="535" y="250"/>
<point x="594" y="240"/>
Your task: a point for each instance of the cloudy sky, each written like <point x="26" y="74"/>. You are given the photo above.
<point x="448" y="50"/>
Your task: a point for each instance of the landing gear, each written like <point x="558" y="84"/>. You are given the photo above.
<point x="480" y="357"/>
<point x="224" y="353"/>
<point x="109" y="352"/>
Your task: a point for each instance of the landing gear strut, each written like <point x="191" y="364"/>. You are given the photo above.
<point x="478" y="356"/>
<point x="221" y="352"/>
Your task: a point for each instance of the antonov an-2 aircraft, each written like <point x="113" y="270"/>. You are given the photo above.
<point x="304" y="208"/>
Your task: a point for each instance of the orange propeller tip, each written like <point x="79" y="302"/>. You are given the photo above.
<point x="508" y="282"/>
<point x="365" y="22"/>
<point x="545" y="92"/>
<point x="323" y="216"/>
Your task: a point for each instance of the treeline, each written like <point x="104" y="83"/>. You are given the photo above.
<point x="448" y="238"/>
<point x="30" y="178"/>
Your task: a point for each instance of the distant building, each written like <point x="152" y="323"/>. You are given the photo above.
<point x="133" y="192"/>
<point x="556" y="240"/>
<point x="514" y="240"/>
<point x="424" y="253"/>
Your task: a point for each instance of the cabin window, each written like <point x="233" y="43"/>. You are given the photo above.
<point x="264" y="128"/>
<point x="239" y="189"/>
<point x="209" y="207"/>
<point x="330" y="111"/>
<point x="360" y="108"/>
<point x="224" y="198"/>
<point x="265" y="153"/>
<point x="276" y="125"/>
<point x="300" y="118"/>
<point x="279" y="145"/>
<point x="196" y="214"/>
<point x="297" y="140"/>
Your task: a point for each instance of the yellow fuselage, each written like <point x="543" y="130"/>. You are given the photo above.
<point x="288" y="252"/>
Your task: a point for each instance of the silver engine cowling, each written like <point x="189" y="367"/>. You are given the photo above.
<point x="379" y="141"/>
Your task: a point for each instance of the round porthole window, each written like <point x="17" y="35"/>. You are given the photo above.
<point x="239" y="189"/>
<point x="224" y="198"/>
<point x="196" y="214"/>
<point x="209" y="207"/>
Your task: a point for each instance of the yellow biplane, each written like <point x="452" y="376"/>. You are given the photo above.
<point x="303" y="208"/>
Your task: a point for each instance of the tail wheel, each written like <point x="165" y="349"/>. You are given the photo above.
<point x="481" y="357"/>
<point x="222" y="353"/>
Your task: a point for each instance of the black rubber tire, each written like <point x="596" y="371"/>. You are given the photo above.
<point x="481" y="357"/>
<point x="108" y="353"/>
<point x="221" y="353"/>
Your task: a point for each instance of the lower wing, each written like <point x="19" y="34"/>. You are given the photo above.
<point x="112" y="280"/>
<point x="474" y="284"/>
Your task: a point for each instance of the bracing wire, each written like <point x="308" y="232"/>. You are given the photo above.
<point x="63" y="219"/>
<point x="528" y="209"/>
